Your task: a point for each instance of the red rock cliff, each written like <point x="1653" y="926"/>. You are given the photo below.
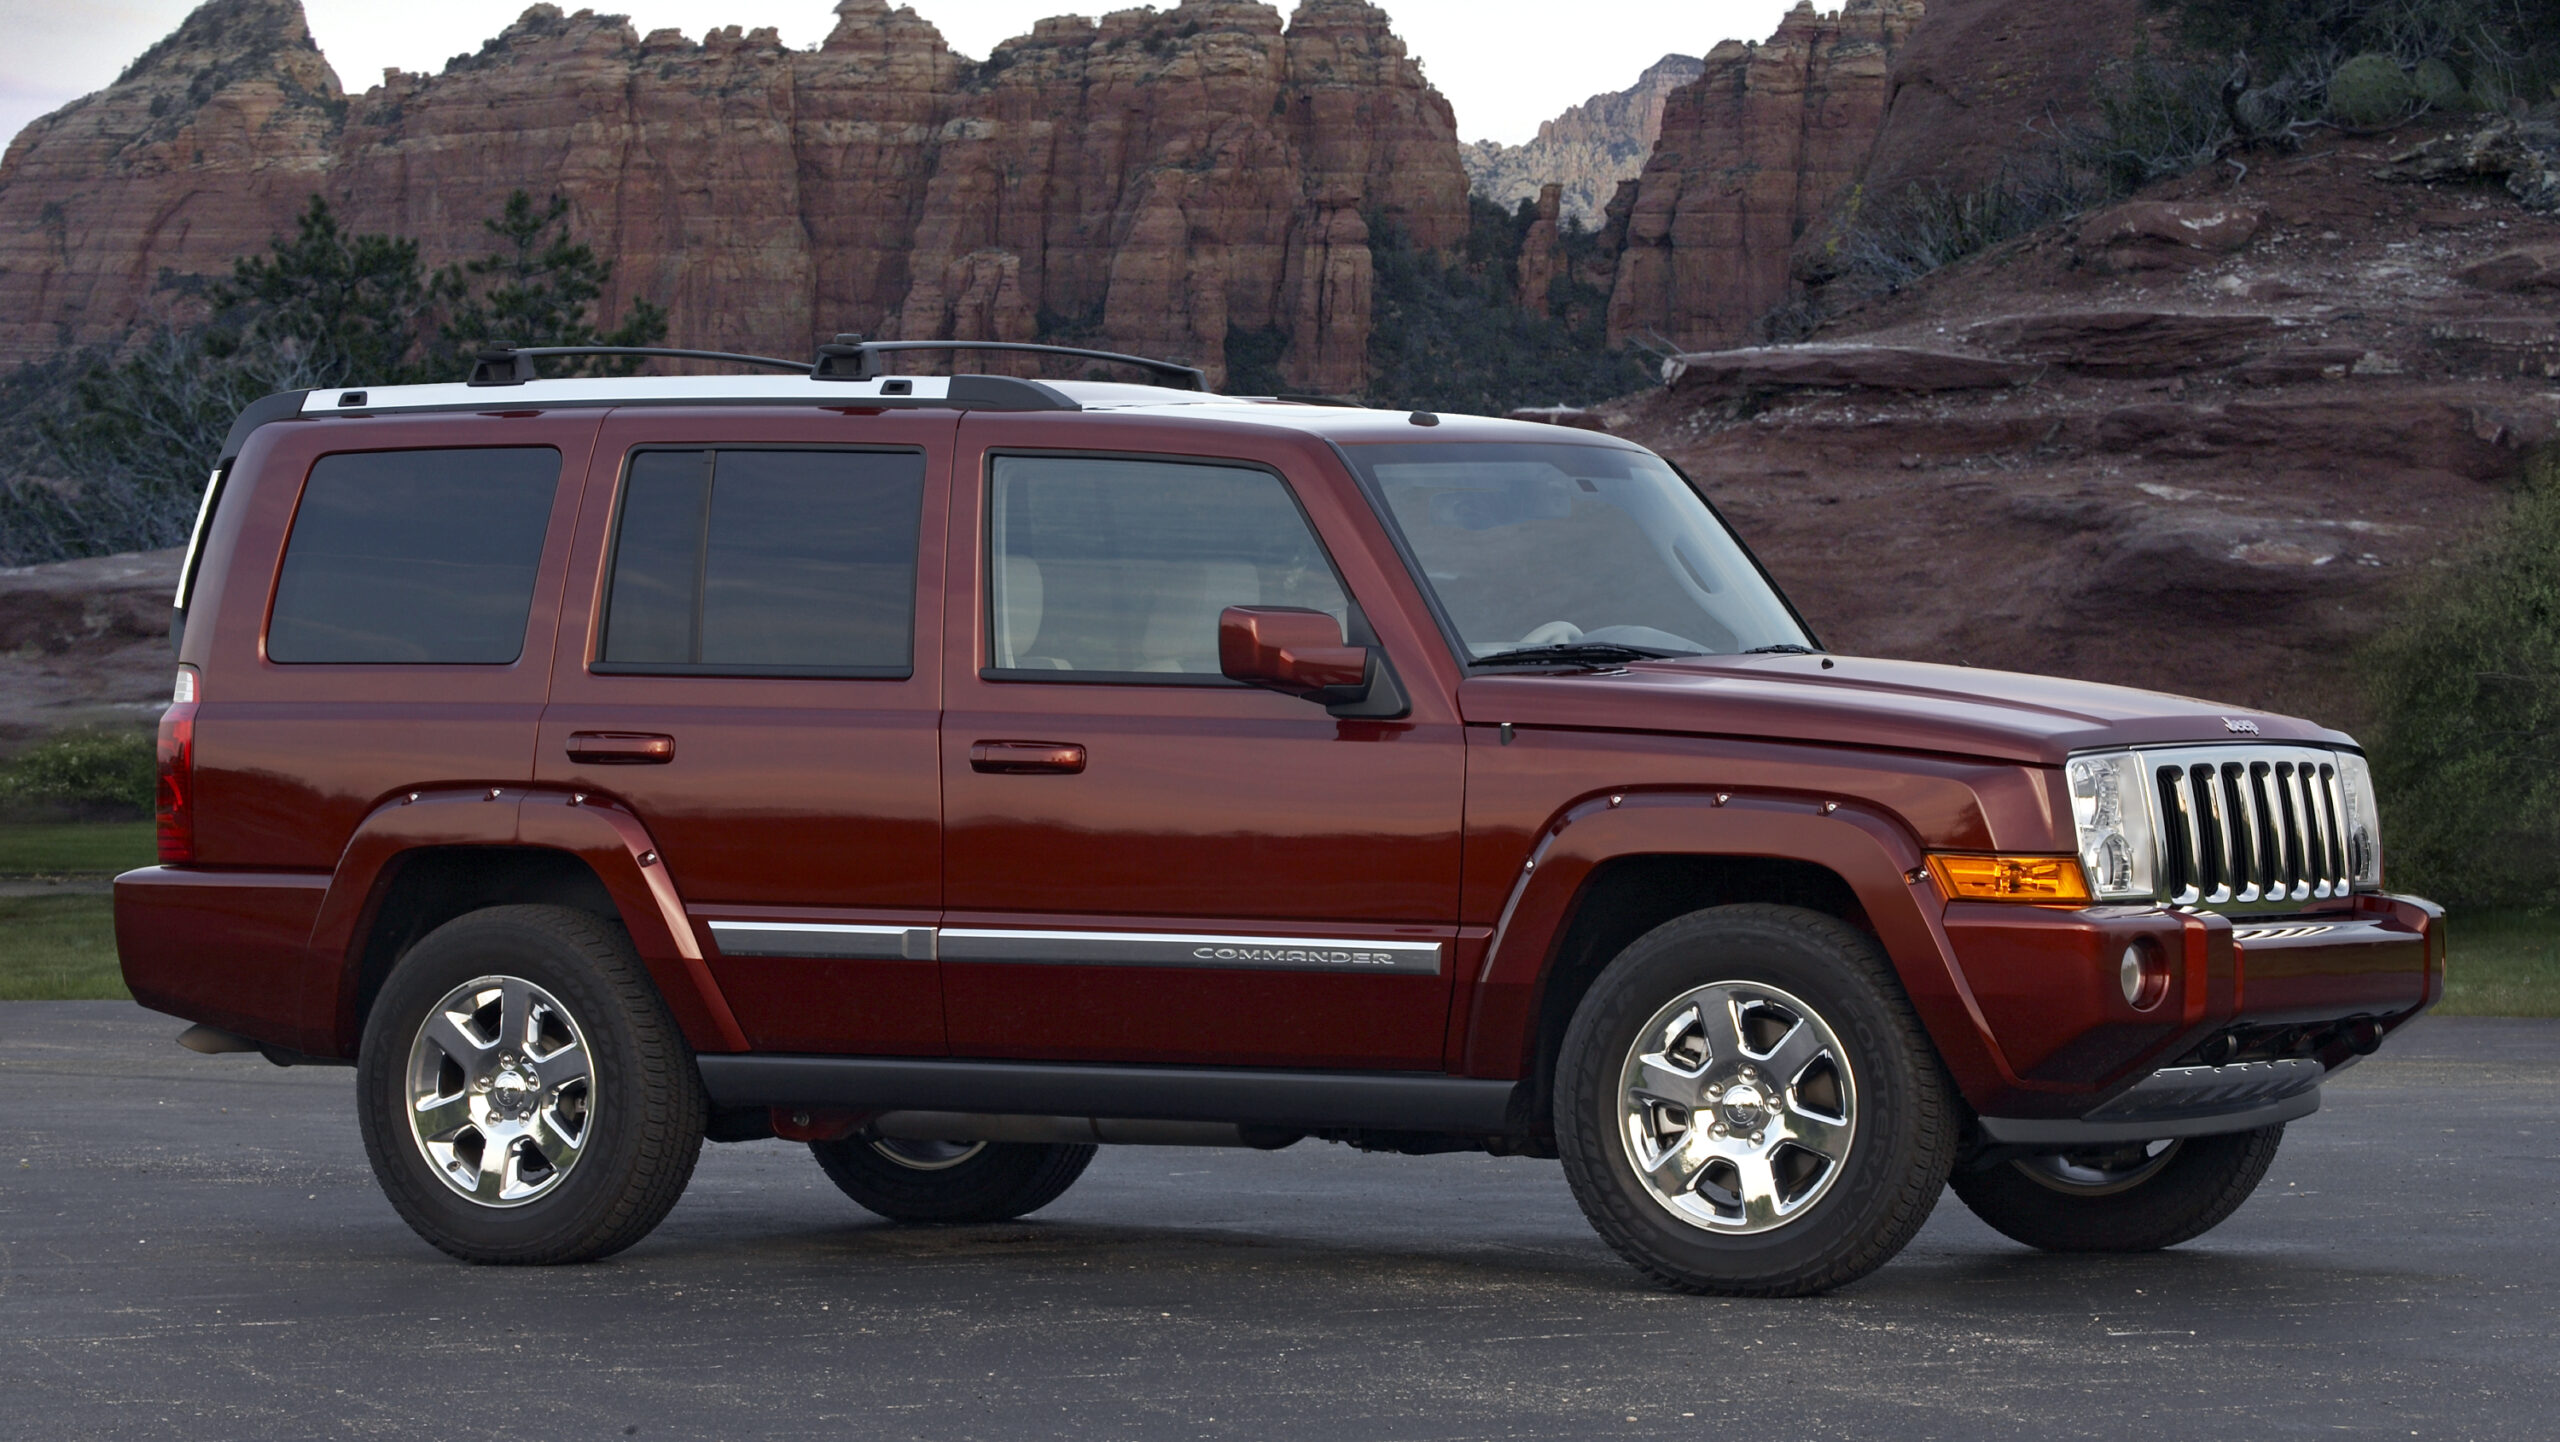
<point x="1149" y="183"/>
<point x="1752" y="156"/>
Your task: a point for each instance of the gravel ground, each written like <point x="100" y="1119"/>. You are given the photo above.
<point x="192" y="1247"/>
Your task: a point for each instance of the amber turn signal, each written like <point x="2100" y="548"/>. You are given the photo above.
<point x="2046" y="879"/>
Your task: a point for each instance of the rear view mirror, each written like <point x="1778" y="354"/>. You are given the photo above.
<point x="1295" y="652"/>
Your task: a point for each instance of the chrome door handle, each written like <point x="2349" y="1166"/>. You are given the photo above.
<point x="621" y="748"/>
<point x="1026" y="758"/>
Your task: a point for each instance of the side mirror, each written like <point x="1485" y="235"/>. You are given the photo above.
<point x="1297" y="653"/>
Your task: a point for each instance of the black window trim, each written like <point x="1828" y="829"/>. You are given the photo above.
<point x="1356" y="628"/>
<point x="597" y="665"/>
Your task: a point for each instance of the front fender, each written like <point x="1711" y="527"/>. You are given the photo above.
<point x="1866" y="849"/>
<point x="608" y="839"/>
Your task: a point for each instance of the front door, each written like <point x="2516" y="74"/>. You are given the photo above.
<point x="747" y="679"/>
<point x="1147" y="862"/>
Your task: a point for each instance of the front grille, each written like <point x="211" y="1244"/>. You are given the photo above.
<point x="2258" y="827"/>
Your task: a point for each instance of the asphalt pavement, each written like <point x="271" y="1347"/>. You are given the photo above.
<point x="192" y="1247"/>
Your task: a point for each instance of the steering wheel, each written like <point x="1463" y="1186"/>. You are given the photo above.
<point x="1554" y="633"/>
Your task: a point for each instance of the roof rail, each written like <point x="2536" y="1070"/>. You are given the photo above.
<point x="851" y="358"/>
<point x="513" y="365"/>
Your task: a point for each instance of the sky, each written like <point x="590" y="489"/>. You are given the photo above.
<point x="1506" y="65"/>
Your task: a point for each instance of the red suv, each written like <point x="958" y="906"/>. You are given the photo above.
<point x="956" y="772"/>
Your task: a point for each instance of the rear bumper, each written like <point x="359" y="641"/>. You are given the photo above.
<point x="2318" y="989"/>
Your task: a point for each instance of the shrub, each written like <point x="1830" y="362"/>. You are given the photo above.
<point x="90" y="772"/>
<point x="2466" y="695"/>
<point x="2370" y="90"/>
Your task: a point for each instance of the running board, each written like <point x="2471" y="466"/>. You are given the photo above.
<point x="1385" y="1101"/>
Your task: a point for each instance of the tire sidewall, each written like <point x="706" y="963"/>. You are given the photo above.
<point x="503" y="942"/>
<point x="1784" y="949"/>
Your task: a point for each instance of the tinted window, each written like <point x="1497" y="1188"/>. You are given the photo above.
<point x="414" y="556"/>
<point x="1121" y="567"/>
<point x="754" y="562"/>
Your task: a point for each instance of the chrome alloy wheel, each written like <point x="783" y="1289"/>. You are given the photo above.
<point x="2100" y="1173"/>
<point x="501" y="1091"/>
<point x="926" y="1156"/>
<point x="1738" y="1105"/>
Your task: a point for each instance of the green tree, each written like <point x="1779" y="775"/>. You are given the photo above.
<point x="535" y="289"/>
<point x="2466" y="749"/>
<point x="349" y="303"/>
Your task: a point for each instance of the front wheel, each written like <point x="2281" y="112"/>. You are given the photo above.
<point x="912" y="1181"/>
<point x="1746" y="1105"/>
<point x="524" y="1095"/>
<point x="2137" y="1198"/>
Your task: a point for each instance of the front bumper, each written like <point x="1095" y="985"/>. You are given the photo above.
<point x="2184" y="1101"/>
<point x="2305" y="994"/>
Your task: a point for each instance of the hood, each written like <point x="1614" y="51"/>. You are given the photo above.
<point x="1892" y="705"/>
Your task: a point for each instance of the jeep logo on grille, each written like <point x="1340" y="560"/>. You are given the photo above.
<point x="2239" y="726"/>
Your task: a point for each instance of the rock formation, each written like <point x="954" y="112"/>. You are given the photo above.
<point x="1148" y="183"/>
<point x="199" y="152"/>
<point x="1589" y="150"/>
<point x="1753" y="155"/>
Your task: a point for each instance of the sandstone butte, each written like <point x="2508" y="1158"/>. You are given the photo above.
<point x="1151" y="183"/>
<point x="1154" y="183"/>
<point x="1589" y="150"/>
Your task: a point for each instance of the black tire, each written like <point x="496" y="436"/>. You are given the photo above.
<point x="2189" y="1193"/>
<point x="641" y="1119"/>
<point x="1901" y="1129"/>
<point x="946" y="1182"/>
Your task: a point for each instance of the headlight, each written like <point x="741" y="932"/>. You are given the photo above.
<point x="2109" y="803"/>
<point x="2363" y="823"/>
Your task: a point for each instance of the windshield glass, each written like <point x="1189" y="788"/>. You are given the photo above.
<point x="1530" y="546"/>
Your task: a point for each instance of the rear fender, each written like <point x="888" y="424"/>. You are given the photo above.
<point x="609" y="840"/>
<point x="1865" y="849"/>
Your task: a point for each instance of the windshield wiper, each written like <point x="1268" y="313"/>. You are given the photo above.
<point x="1783" y="648"/>
<point x="1576" y="653"/>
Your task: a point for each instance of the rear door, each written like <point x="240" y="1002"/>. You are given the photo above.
<point x="1148" y="862"/>
<point x="740" y="665"/>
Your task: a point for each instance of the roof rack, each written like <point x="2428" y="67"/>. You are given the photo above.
<point x="846" y="358"/>
<point x="851" y="358"/>
<point x="513" y="365"/>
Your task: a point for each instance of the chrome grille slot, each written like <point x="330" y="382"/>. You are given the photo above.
<point x="2249" y="827"/>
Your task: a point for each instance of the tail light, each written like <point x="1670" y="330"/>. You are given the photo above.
<point x="177" y="800"/>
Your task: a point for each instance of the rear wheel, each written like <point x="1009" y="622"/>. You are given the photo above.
<point x="920" y="1181"/>
<point x="2135" y="1198"/>
<point x="1746" y="1105"/>
<point x="524" y="1095"/>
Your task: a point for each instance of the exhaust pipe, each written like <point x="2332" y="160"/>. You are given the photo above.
<point x="1078" y="1131"/>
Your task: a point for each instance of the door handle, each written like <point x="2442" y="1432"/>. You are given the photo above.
<point x="1026" y="758"/>
<point x="621" y="748"/>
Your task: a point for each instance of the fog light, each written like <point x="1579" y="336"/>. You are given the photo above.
<point x="2144" y="976"/>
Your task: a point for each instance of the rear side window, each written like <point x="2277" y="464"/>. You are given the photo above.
<point x="765" y="563"/>
<point x="414" y="557"/>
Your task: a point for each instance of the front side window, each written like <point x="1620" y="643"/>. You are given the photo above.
<point x="1535" y="547"/>
<point x="414" y="557"/>
<point x="765" y="563"/>
<point x="1101" y="568"/>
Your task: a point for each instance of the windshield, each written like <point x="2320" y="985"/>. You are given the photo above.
<point x="1531" y="546"/>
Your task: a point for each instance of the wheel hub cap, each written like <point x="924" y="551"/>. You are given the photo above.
<point x="500" y="1091"/>
<point x="1738" y="1107"/>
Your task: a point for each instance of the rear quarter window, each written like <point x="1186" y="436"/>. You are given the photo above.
<point x="414" y="557"/>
